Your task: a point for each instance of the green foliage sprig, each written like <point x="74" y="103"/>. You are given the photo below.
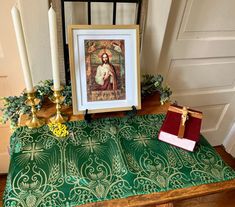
<point x="15" y="105"/>
<point x="154" y="83"/>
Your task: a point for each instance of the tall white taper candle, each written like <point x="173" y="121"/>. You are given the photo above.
<point x="22" y="48"/>
<point x="54" y="48"/>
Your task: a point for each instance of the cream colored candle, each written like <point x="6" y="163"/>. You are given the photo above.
<point x="54" y="48"/>
<point x="22" y="48"/>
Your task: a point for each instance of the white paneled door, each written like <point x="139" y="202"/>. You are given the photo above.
<point x="198" y="61"/>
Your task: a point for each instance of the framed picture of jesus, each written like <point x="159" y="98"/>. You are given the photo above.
<point x="104" y="67"/>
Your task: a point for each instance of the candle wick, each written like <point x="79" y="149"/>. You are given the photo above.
<point x="17" y="4"/>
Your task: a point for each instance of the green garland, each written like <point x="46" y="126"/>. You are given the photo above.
<point x="154" y="83"/>
<point x="15" y="105"/>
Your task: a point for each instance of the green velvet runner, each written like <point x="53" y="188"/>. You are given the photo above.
<point x="107" y="159"/>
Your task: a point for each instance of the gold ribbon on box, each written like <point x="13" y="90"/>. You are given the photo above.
<point x="186" y="114"/>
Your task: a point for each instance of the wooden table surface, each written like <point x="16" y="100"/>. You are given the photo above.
<point x="150" y="105"/>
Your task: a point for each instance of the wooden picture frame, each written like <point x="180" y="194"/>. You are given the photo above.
<point x="105" y="69"/>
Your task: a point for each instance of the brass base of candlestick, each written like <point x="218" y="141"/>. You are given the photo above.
<point x="59" y="118"/>
<point x="34" y="121"/>
<point x="58" y="99"/>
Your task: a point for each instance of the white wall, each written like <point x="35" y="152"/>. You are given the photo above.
<point x="229" y="142"/>
<point x="157" y="16"/>
<point x="35" y="22"/>
<point x="34" y="15"/>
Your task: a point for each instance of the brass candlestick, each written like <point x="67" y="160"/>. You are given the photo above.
<point x="58" y="99"/>
<point x="34" y="121"/>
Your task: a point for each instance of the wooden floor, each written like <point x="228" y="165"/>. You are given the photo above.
<point x="2" y="186"/>
<point x="225" y="199"/>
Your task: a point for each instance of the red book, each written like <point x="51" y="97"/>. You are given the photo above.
<point x="174" y="131"/>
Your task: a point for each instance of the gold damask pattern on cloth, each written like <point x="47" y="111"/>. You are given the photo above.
<point x="106" y="159"/>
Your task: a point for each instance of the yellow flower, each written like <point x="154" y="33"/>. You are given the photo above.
<point x="58" y="129"/>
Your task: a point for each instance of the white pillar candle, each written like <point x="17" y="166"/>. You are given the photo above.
<point x="54" y="48"/>
<point x="22" y="48"/>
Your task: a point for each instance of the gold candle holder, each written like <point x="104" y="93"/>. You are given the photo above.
<point x="34" y="121"/>
<point x="58" y="99"/>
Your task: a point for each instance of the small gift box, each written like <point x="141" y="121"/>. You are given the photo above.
<point x="181" y="127"/>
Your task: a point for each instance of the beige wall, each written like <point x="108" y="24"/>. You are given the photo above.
<point x="35" y="24"/>
<point x="11" y="78"/>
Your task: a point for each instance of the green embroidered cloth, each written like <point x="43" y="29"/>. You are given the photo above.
<point x="106" y="159"/>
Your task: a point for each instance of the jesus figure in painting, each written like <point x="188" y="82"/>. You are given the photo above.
<point x="106" y="76"/>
